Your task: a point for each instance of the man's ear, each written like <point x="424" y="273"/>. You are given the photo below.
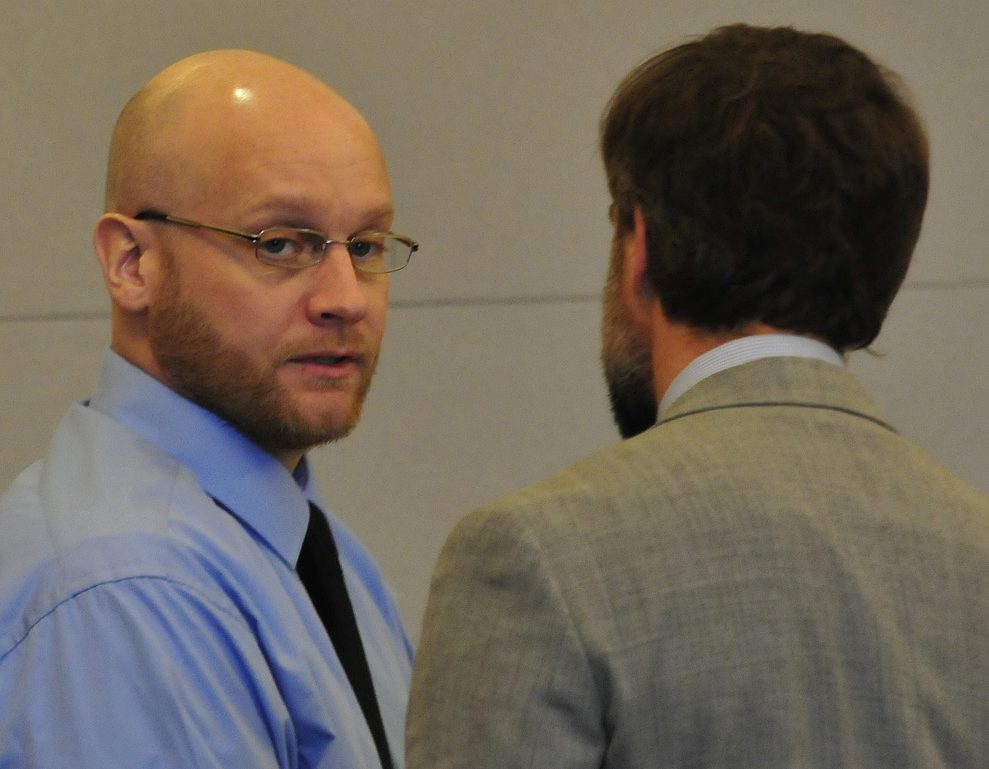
<point x="637" y="291"/>
<point x="129" y="264"/>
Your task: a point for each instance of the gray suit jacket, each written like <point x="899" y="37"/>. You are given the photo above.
<point x="769" y="578"/>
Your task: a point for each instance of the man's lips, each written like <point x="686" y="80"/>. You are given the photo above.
<point x="324" y="360"/>
<point x="329" y="362"/>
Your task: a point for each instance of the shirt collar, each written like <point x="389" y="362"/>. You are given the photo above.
<point x="746" y="350"/>
<point x="247" y="480"/>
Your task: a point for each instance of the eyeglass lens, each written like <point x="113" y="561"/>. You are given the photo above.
<point x="299" y="248"/>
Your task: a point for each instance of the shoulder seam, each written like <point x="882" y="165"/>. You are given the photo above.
<point x="192" y="589"/>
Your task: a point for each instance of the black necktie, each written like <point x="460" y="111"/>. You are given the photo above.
<point x="319" y="569"/>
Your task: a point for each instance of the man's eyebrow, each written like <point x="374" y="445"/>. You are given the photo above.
<point x="384" y="212"/>
<point x="293" y="212"/>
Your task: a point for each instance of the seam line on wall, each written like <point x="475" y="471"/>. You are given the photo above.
<point x="477" y="301"/>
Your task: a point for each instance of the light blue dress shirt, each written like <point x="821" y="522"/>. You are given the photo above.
<point x="142" y="625"/>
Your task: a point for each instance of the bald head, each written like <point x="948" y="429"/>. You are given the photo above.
<point x="224" y="144"/>
<point x="183" y="122"/>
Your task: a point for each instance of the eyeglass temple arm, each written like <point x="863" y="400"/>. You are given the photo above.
<point x="154" y="215"/>
<point x="151" y="213"/>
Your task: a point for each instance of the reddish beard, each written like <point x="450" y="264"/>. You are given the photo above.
<point x="202" y="367"/>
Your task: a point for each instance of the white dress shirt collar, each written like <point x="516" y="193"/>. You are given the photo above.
<point x="746" y="350"/>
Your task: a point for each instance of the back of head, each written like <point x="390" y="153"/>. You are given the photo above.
<point x="782" y="178"/>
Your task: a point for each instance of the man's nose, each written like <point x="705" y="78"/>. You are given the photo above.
<point x="338" y="291"/>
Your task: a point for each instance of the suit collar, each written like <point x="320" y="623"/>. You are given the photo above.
<point x="745" y="350"/>
<point x="778" y="383"/>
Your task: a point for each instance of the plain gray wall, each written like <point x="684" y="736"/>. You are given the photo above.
<point x="488" y="114"/>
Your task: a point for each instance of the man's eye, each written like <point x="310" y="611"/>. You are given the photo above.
<point x="364" y="249"/>
<point x="279" y="247"/>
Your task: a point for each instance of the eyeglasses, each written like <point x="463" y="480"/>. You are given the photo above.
<point x="375" y="252"/>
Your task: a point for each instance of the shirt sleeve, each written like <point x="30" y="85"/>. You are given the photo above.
<point x="141" y="672"/>
<point x="501" y="678"/>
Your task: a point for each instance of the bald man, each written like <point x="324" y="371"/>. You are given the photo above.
<point x="167" y="593"/>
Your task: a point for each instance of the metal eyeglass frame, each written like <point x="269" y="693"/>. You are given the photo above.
<point x="256" y="239"/>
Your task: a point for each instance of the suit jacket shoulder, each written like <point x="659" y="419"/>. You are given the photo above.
<point x="771" y="574"/>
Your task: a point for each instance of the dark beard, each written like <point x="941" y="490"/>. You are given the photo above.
<point x="626" y="358"/>
<point x="633" y="402"/>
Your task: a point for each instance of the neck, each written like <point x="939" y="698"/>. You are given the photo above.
<point x="290" y="459"/>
